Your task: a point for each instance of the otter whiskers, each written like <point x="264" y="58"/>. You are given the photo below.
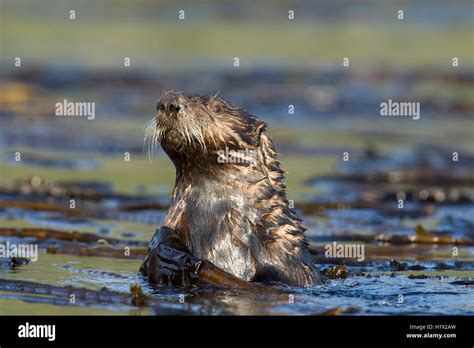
<point x="151" y="138"/>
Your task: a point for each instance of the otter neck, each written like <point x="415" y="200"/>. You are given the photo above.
<point x="209" y="208"/>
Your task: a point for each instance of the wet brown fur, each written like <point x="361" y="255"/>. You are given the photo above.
<point x="235" y="215"/>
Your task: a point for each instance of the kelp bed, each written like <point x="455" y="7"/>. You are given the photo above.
<point x="418" y="259"/>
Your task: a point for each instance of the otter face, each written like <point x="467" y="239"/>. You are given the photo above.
<point x="193" y="125"/>
<point x="182" y="120"/>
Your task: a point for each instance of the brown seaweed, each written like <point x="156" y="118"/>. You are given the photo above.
<point x="87" y="297"/>
<point x="73" y="236"/>
<point x="120" y="253"/>
<point x="336" y="272"/>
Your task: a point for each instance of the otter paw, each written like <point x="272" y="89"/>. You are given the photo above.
<point x="169" y="261"/>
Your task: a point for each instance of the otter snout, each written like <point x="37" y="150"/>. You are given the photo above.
<point x="169" y="104"/>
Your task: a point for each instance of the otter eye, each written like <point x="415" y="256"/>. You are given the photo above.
<point x="160" y="107"/>
<point x="217" y="108"/>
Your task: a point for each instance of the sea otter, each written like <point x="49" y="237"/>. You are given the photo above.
<point x="229" y="207"/>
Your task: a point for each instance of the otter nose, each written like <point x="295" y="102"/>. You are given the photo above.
<point x="173" y="108"/>
<point x="170" y="106"/>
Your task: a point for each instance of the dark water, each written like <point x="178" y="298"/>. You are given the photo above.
<point x="405" y="269"/>
<point x="418" y="259"/>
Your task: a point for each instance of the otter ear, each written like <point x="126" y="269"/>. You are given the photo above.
<point x="256" y="129"/>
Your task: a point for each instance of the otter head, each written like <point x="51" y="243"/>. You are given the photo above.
<point x="194" y="129"/>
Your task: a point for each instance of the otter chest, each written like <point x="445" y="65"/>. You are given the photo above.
<point x="219" y="228"/>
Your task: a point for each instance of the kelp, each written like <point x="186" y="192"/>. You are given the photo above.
<point x="42" y="234"/>
<point x="120" y="253"/>
<point x="75" y="296"/>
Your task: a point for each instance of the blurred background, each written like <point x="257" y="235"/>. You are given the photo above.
<point x="283" y="64"/>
